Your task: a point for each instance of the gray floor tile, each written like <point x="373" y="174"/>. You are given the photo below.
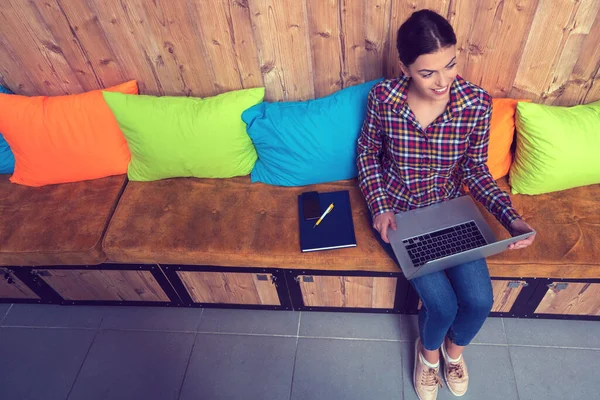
<point x="236" y="367"/>
<point x="556" y="374"/>
<point x="152" y="318"/>
<point x="490" y="374"/>
<point x="492" y="331"/>
<point x="347" y="369"/>
<point x="43" y="315"/>
<point x="41" y="363"/>
<point x="249" y="321"/>
<point x="134" y="365"/>
<point x="351" y="325"/>
<point x="553" y="332"/>
<point x="3" y="310"/>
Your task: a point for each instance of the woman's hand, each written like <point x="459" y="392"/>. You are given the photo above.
<point x="382" y="222"/>
<point x="518" y="227"/>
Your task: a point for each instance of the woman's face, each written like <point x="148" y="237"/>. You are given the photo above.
<point x="432" y="74"/>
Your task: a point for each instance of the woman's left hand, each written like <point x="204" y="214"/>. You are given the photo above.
<point x="518" y="227"/>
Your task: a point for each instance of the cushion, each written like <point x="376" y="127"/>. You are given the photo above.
<point x="56" y="224"/>
<point x="235" y="222"/>
<point x="7" y="160"/>
<point x="64" y="138"/>
<point x="557" y="148"/>
<point x="502" y="132"/>
<point x="179" y="136"/>
<point x="301" y="143"/>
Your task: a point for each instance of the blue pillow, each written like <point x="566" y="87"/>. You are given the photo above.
<point x="314" y="141"/>
<point x="7" y="159"/>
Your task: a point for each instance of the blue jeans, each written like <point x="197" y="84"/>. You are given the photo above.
<point x="456" y="301"/>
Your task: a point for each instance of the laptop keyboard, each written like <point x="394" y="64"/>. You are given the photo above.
<point x="444" y="242"/>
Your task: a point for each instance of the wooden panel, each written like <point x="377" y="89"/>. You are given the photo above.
<point x="543" y="50"/>
<point x="15" y="290"/>
<point x="578" y="298"/>
<point x="229" y="288"/>
<point x="325" y="39"/>
<point x="348" y="291"/>
<point x="504" y="296"/>
<point x="547" y="37"/>
<point x="283" y="48"/>
<point x="104" y="285"/>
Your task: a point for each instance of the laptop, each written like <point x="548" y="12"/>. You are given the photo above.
<point x="444" y="235"/>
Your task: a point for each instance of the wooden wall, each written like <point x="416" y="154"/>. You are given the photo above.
<point x="544" y="50"/>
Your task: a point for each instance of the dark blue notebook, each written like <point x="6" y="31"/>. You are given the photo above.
<point x="335" y="231"/>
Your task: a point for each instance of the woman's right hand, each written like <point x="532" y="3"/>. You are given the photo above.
<point x="382" y="222"/>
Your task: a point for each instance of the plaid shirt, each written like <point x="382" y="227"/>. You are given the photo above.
<point x="402" y="166"/>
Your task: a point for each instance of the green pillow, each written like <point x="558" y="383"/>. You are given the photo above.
<point x="182" y="136"/>
<point x="558" y="148"/>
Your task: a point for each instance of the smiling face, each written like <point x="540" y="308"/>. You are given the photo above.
<point x="432" y="74"/>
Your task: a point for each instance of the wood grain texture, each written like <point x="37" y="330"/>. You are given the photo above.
<point x="326" y="41"/>
<point x="543" y="50"/>
<point x="229" y="288"/>
<point x="576" y="299"/>
<point x="16" y="289"/>
<point x="104" y="285"/>
<point x="504" y="296"/>
<point x="281" y="32"/>
<point x="347" y="291"/>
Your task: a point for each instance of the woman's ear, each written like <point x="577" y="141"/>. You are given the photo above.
<point x="404" y="69"/>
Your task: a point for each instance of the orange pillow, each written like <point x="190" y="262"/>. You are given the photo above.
<point x="502" y="132"/>
<point x="64" y="138"/>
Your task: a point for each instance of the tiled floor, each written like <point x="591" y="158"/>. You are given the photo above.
<point x="52" y="352"/>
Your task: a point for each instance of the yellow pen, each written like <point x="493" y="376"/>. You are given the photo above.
<point x="324" y="214"/>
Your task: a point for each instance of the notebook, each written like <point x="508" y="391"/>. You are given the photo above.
<point x="335" y="231"/>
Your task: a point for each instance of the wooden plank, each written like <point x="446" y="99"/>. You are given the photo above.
<point x="326" y="41"/>
<point x="323" y="291"/>
<point x="579" y="87"/>
<point x="578" y="31"/>
<point x="228" y="288"/>
<point x="401" y="10"/>
<point x="219" y="37"/>
<point x="266" y="289"/>
<point x="487" y="43"/>
<point x="547" y="37"/>
<point x="281" y="34"/>
<point x="244" y="44"/>
<point x="31" y="42"/>
<point x="104" y="285"/>
<point x="504" y="296"/>
<point x="15" y="290"/>
<point x="384" y="292"/>
<point x="577" y="299"/>
<point x="377" y="46"/>
<point x="352" y="23"/>
<point x="84" y="30"/>
<point x="348" y="291"/>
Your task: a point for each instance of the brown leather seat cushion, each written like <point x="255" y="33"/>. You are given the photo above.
<point x="56" y="224"/>
<point x="232" y="222"/>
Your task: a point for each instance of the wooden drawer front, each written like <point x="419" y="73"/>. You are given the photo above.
<point x="12" y="287"/>
<point x="347" y="291"/>
<point x="230" y="287"/>
<point x="505" y="294"/>
<point x="104" y="285"/>
<point x="572" y="298"/>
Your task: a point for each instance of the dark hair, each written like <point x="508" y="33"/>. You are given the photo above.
<point x="424" y="32"/>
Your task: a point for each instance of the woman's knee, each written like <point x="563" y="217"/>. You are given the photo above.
<point x="442" y="310"/>
<point x="479" y="304"/>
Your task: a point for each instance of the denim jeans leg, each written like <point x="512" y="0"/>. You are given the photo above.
<point x="473" y="287"/>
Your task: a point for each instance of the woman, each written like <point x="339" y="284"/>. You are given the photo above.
<point x="425" y="135"/>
